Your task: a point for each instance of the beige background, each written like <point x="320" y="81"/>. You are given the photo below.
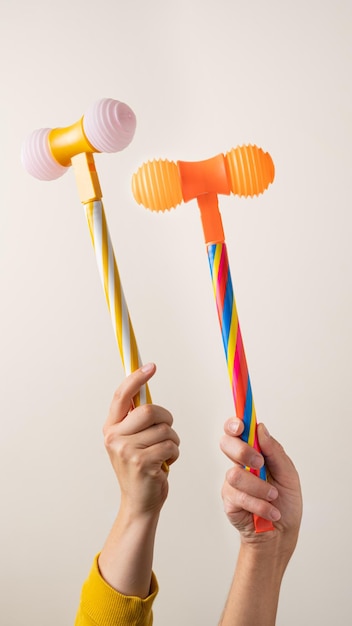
<point x="202" y="77"/>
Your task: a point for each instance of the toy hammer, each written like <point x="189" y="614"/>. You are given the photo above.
<point x="108" y="126"/>
<point x="244" y="171"/>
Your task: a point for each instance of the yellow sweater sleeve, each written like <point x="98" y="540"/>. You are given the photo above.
<point x="101" y="605"/>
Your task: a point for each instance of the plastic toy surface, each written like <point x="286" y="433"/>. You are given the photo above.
<point x="108" y="126"/>
<point x="244" y="171"/>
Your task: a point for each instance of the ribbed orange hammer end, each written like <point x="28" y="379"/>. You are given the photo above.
<point x="250" y="169"/>
<point x="157" y="185"/>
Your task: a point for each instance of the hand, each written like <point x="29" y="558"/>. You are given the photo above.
<point x="278" y="499"/>
<point x="138" y="442"/>
<point x="263" y="557"/>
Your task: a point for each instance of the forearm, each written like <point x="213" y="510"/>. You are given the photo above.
<point x="126" y="559"/>
<point x="255" y="589"/>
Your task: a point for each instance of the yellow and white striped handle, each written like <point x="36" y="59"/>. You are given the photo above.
<point x="90" y="196"/>
<point x="115" y="298"/>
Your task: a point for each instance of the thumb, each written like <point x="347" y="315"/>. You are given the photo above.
<point x="276" y="459"/>
<point x="122" y="401"/>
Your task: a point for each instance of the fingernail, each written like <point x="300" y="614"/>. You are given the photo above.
<point x="147" y="368"/>
<point x="273" y="493"/>
<point x="233" y="427"/>
<point x="257" y="461"/>
<point x="275" y="515"/>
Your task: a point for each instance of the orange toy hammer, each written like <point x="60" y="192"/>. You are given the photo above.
<point x="244" y="171"/>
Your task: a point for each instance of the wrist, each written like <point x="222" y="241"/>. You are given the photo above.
<point x="270" y="550"/>
<point x="131" y="514"/>
<point x="125" y="561"/>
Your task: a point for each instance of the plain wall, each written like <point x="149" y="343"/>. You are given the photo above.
<point x="202" y="76"/>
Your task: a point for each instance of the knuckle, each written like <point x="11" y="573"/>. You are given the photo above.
<point x="147" y="413"/>
<point x="135" y="458"/>
<point x="164" y="415"/>
<point x="170" y="447"/>
<point x="118" y="395"/>
<point x="234" y="476"/>
<point x="128" y="454"/>
<point x="168" y="417"/>
<point x="109" y="438"/>
<point x="176" y="453"/>
<point x="243" y="499"/>
<point x="163" y="430"/>
<point x="171" y="451"/>
<point x="117" y="446"/>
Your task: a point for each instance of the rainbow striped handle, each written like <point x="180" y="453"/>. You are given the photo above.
<point x="233" y="344"/>
<point x="115" y="298"/>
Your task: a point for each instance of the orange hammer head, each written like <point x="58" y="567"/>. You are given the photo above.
<point x="244" y="171"/>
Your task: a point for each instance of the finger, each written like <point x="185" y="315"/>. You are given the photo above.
<point x="144" y="417"/>
<point x="243" y="480"/>
<point x="123" y="396"/>
<point x="237" y="501"/>
<point x="278" y="463"/>
<point x="152" y="457"/>
<point x="149" y="437"/>
<point x="241" y="452"/>
<point x="164" y="452"/>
